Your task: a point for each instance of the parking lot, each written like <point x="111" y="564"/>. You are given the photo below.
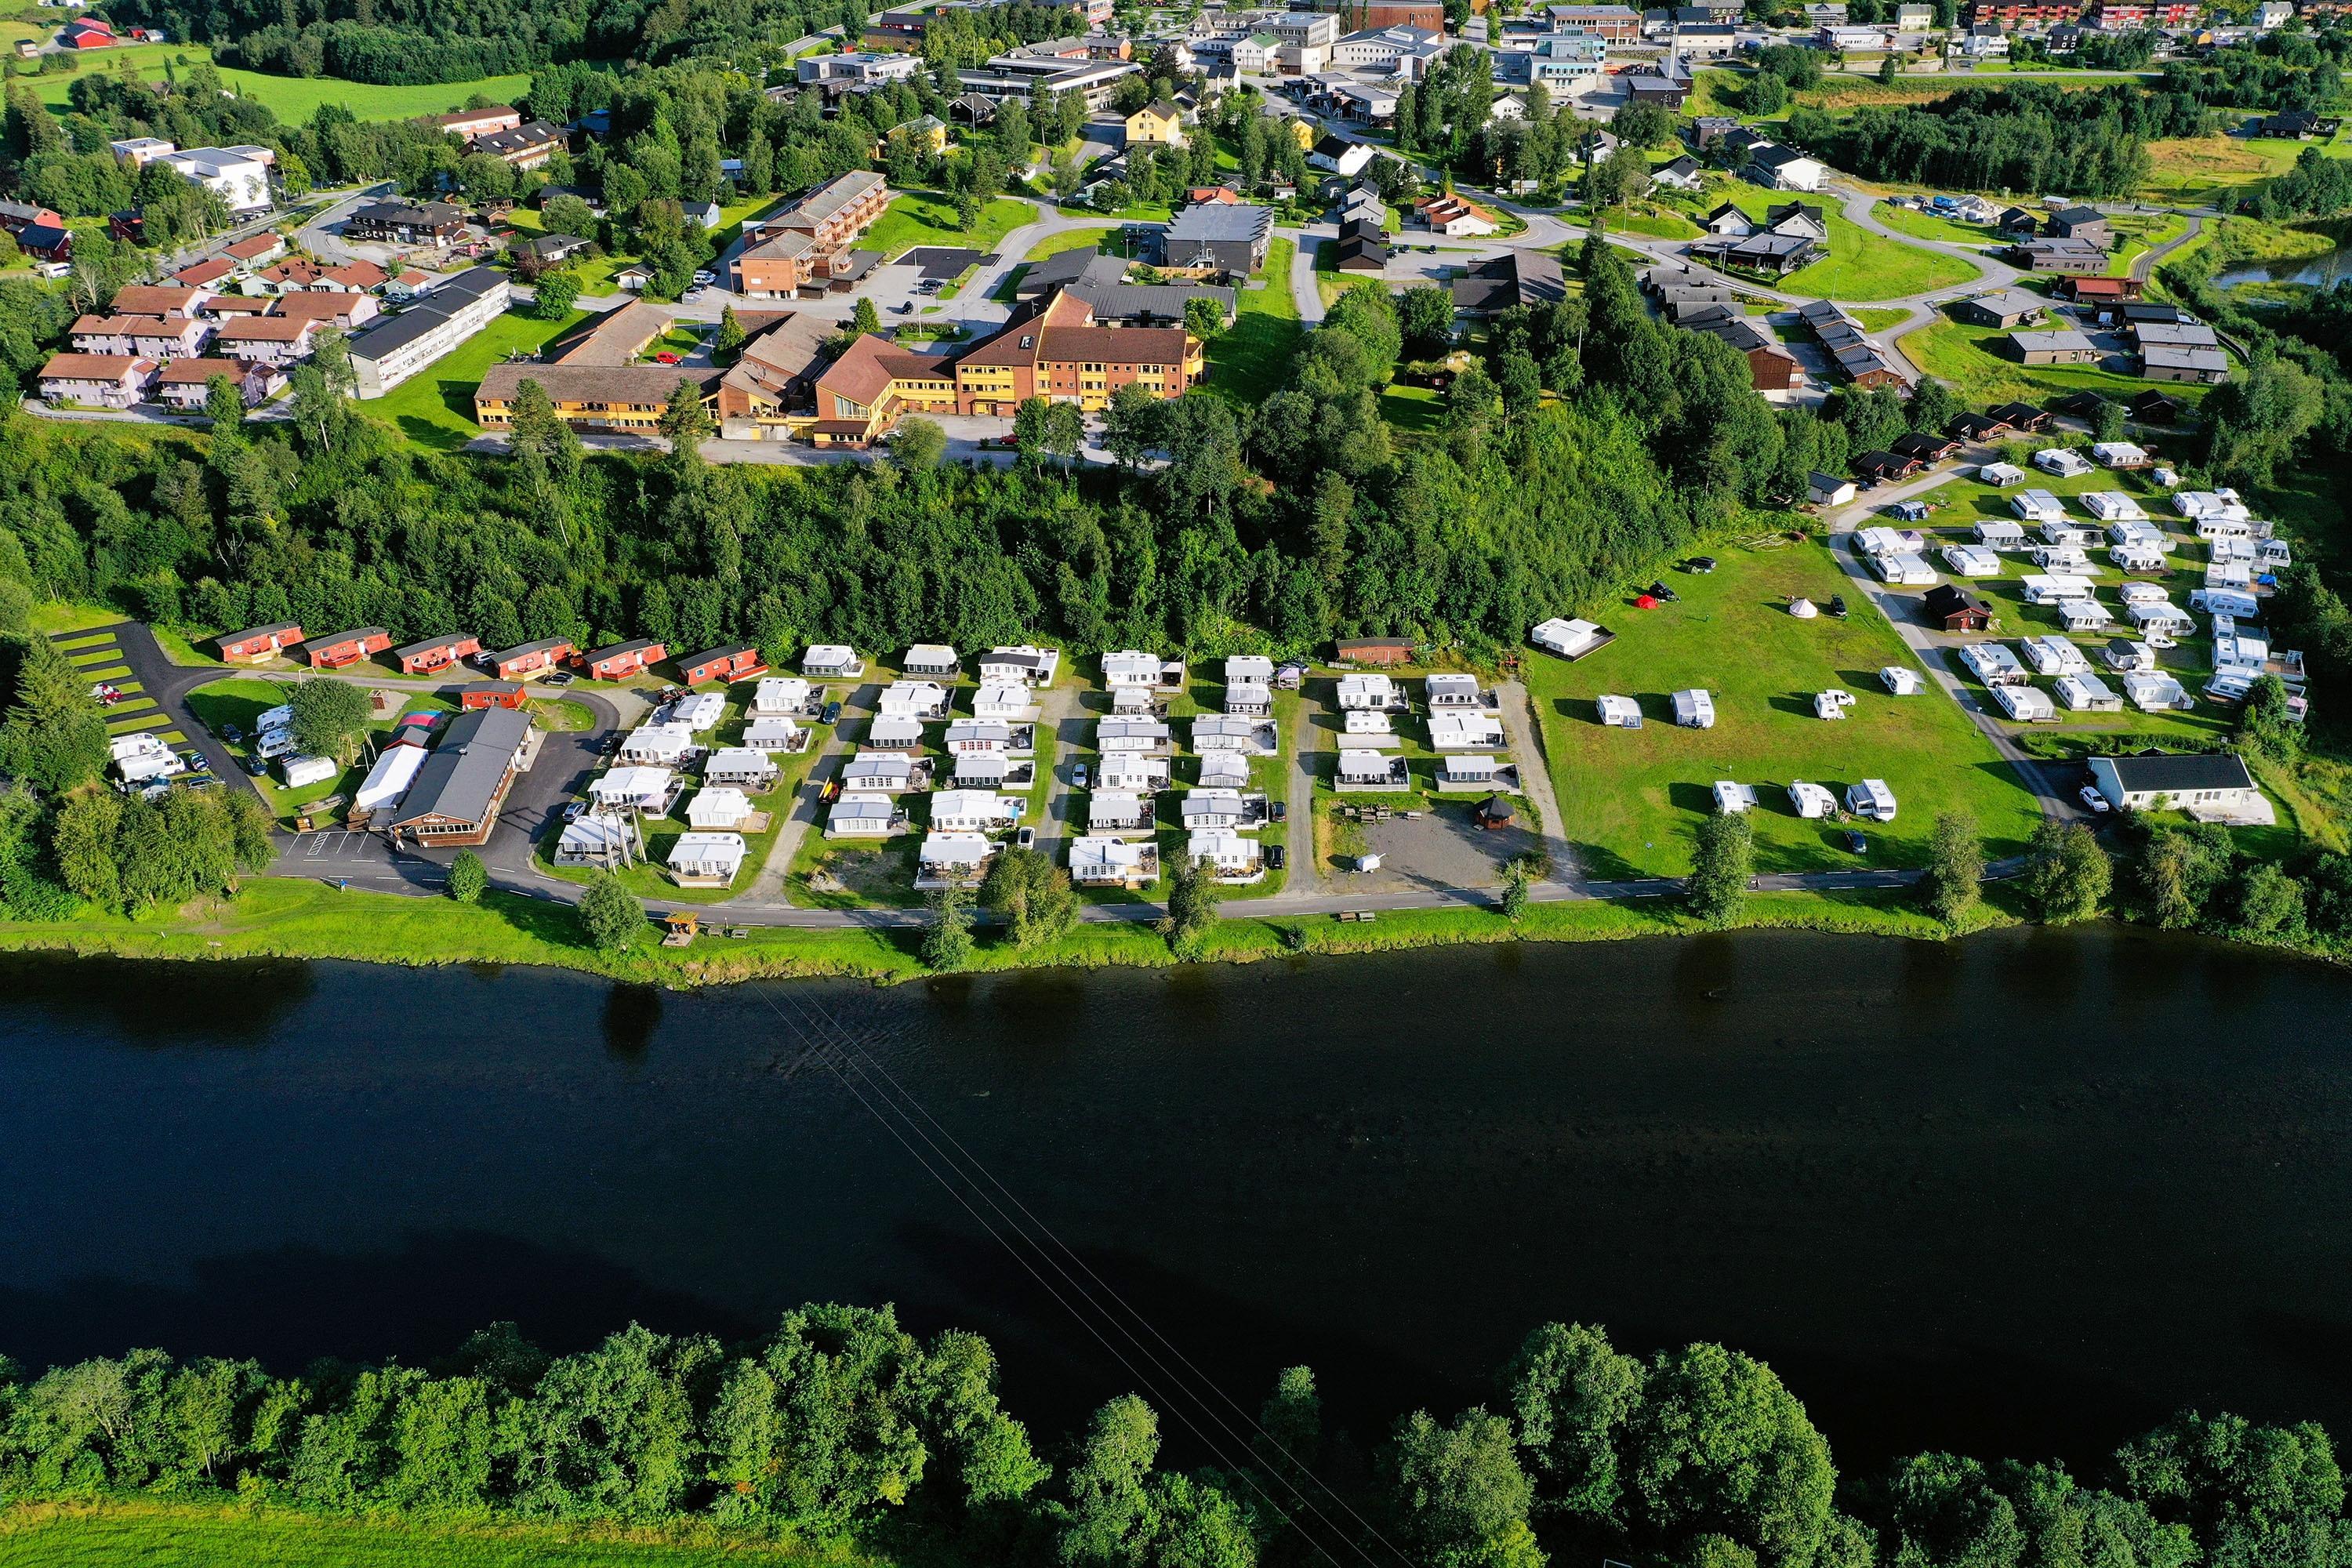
<point x="1442" y="846"/>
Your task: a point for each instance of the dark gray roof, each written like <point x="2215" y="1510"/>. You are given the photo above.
<point x="2214" y="770"/>
<point x="1221" y="220"/>
<point x="1120" y="300"/>
<point x="446" y="299"/>
<point x="429" y="644"/>
<point x="461" y="779"/>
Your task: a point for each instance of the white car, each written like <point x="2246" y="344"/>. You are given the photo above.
<point x="2092" y="797"/>
<point x="706" y="278"/>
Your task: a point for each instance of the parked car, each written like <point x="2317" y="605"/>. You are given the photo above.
<point x="1026" y="838"/>
<point x="1273" y="856"/>
<point x="1659" y="590"/>
<point x="1701" y="564"/>
<point x="2092" y="798"/>
<point x="257" y="766"/>
<point x="559" y="678"/>
<point x="572" y="810"/>
<point x="706" y="278"/>
<point x="1278" y="810"/>
<point x="831" y="714"/>
<point x="1856" y="842"/>
<point x="665" y="357"/>
<point x="1837" y="606"/>
<point x="1078" y="775"/>
<point x="205" y="780"/>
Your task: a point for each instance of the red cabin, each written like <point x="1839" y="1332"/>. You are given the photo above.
<point x="492" y="694"/>
<point x="532" y="658"/>
<point x="437" y="653"/>
<point x="1375" y="650"/>
<point x="259" y="643"/>
<point x="739" y="663"/>
<point x="623" y="659"/>
<point x="346" y="648"/>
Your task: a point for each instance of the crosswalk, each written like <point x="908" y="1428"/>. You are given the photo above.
<point x="97" y="658"/>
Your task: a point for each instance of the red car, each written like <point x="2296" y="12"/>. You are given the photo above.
<point x="664" y="358"/>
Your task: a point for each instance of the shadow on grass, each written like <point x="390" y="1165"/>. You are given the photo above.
<point x="1250" y="360"/>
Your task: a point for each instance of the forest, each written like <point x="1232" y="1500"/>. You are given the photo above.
<point x="2028" y="137"/>
<point x="842" y="1428"/>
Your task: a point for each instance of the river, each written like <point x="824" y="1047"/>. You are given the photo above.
<point x="2023" y="1193"/>
<point x="2325" y="271"/>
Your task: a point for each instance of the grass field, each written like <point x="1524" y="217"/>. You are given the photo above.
<point x="1964" y="356"/>
<point x="1631" y="800"/>
<point x="1878" y="320"/>
<point x="925" y="217"/>
<point x="1922" y="226"/>
<point x="436" y="406"/>
<point x="239" y="702"/>
<point x="170" y="1536"/>
<point x="1861" y="264"/>
<point x="292" y="99"/>
<point x="1250" y="360"/>
<point x="2191" y="170"/>
<point x="1069" y="239"/>
<point x="1415" y="410"/>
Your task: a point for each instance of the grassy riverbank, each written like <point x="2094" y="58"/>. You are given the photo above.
<point x="86" y="1535"/>
<point x="277" y="917"/>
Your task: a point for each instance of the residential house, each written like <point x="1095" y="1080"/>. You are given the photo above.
<point x="341" y="648"/>
<point x="1024" y="664"/>
<point x="532" y="659"/>
<point x="392" y="350"/>
<point x="433" y="654"/>
<point x="259" y="645"/>
<point x="97" y="381"/>
<point x="2210" y="786"/>
<point x="406" y="222"/>
<point x="619" y="661"/>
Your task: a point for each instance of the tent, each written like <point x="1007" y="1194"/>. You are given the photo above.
<point x="1803" y="609"/>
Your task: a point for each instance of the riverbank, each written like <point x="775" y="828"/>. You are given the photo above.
<point x="125" y="1529"/>
<point x="282" y="918"/>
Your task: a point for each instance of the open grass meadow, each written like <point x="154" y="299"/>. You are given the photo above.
<point x="928" y="217"/>
<point x="1249" y="361"/>
<point x="1927" y="225"/>
<point x="1631" y="800"/>
<point x="1971" y="358"/>
<point x="435" y="407"/>
<point x="223" y="1536"/>
<point x="1861" y="264"/>
<point x="291" y="99"/>
<point x="2190" y="171"/>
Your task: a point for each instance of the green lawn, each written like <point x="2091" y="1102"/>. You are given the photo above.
<point x="1878" y="320"/>
<point x="925" y="217"/>
<point x="227" y="1536"/>
<point x="1415" y="410"/>
<point x="292" y="99"/>
<point x="1861" y="264"/>
<point x="1250" y="360"/>
<point x="1925" y="225"/>
<point x="436" y="406"/>
<point x="239" y="702"/>
<point x="1631" y="800"/>
<point x="1969" y="359"/>
<point x="1069" y="239"/>
<point x="64" y="616"/>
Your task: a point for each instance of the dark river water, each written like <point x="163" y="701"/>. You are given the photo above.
<point x="2324" y="270"/>
<point x="2024" y="1194"/>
